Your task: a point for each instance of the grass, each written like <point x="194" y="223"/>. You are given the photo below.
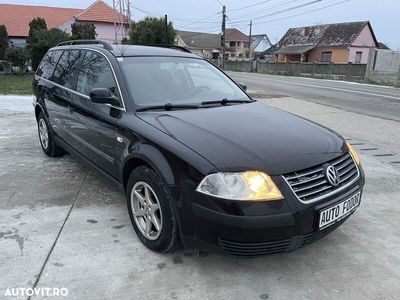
<point x="14" y="84"/>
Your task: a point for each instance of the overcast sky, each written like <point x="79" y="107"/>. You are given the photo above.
<point x="268" y="16"/>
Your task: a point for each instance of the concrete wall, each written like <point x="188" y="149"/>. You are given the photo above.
<point x="240" y="66"/>
<point x="319" y="70"/>
<point x="384" y="66"/>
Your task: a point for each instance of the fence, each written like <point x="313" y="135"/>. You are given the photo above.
<point x="320" y="70"/>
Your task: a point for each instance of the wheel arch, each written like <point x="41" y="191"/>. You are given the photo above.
<point x="150" y="156"/>
<point x="38" y="110"/>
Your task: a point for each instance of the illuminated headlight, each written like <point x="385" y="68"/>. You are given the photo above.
<point x="354" y="153"/>
<point x="250" y="185"/>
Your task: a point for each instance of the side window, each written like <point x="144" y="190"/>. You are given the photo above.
<point x="48" y="64"/>
<point x="95" y="72"/>
<point x="64" y="72"/>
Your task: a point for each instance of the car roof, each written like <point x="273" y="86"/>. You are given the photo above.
<point x="133" y="50"/>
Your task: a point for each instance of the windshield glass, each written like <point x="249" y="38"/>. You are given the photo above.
<point x="177" y="80"/>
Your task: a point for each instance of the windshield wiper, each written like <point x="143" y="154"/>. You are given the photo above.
<point x="168" y="106"/>
<point x="225" y="101"/>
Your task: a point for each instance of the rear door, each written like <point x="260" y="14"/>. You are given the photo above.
<point x="64" y="77"/>
<point x="93" y="125"/>
<point x="45" y="88"/>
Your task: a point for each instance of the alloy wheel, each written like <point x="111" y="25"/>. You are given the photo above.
<point x="146" y="210"/>
<point x="43" y="133"/>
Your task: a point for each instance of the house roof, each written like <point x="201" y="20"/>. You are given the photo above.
<point x="327" y="35"/>
<point x="200" y="40"/>
<point x="260" y="42"/>
<point x="383" y="46"/>
<point x="271" y="50"/>
<point x="294" y="49"/>
<point x="99" y="11"/>
<point x="16" y="18"/>
<point x="233" y="34"/>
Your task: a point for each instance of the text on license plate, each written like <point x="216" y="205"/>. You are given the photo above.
<point x="335" y="213"/>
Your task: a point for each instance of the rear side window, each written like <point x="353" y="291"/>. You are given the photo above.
<point x="95" y="72"/>
<point x="48" y="64"/>
<point x="64" y="72"/>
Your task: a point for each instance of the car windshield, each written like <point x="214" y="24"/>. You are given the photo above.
<point x="177" y="80"/>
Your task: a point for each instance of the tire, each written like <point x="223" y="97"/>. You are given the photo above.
<point x="166" y="238"/>
<point x="46" y="137"/>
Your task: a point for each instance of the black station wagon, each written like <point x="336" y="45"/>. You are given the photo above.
<point x="201" y="163"/>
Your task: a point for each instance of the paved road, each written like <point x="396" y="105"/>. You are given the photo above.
<point x="65" y="227"/>
<point x="378" y="101"/>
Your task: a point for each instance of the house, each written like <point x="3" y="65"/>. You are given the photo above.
<point x="16" y="18"/>
<point x="236" y="43"/>
<point x="206" y="45"/>
<point x="336" y="43"/>
<point x="259" y="44"/>
<point x="269" y="54"/>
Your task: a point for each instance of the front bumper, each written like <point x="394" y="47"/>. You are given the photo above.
<point x="252" y="229"/>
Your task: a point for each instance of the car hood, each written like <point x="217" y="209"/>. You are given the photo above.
<point x="251" y="136"/>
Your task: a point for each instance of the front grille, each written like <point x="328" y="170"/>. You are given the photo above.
<point x="310" y="184"/>
<point x="255" y="249"/>
<point x="246" y="249"/>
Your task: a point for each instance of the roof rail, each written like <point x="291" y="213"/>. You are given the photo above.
<point x="86" y="42"/>
<point x="183" y="49"/>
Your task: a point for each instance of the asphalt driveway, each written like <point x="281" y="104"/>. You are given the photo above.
<point x="64" y="226"/>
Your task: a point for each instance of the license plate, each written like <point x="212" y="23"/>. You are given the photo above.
<point x="337" y="212"/>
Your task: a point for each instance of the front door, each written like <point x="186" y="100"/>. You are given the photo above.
<point x="93" y="126"/>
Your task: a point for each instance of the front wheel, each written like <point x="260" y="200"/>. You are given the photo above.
<point x="151" y="210"/>
<point x="46" y="137"/>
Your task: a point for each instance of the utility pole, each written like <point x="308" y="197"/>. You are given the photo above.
<point x="251" y="24"/>
<point x="166" y="29"/>
<point x="223" y="36"/>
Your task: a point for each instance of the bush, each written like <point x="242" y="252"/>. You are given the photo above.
<point x="83" y="31"/>
<point x="3" y="41"/>
<point x="151" y="31"/>
<point x="19" y="57"/>
<point x="43" y="40"/>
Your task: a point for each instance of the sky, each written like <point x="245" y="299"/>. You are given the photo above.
<point x="272" y="17"/>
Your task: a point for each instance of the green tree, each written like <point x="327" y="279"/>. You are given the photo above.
<point x="35" y="24"/>
<point x="3" y="41"/>
<point x="83" y="31"/>
<point x="151" y="31"/>
<point x="43" y="40"/>
<point x="19" y="57"/>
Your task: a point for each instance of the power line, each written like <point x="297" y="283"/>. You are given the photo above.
<point x="251" y="5"/>
<point x="180" y="19"/>
<point x="281" y="11"/>
<point x="303" y="13"/>
<point x="254" y="14"/>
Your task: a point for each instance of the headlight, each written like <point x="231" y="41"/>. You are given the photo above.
<point x="250" y="185"/>
<point x="354" y="153"/>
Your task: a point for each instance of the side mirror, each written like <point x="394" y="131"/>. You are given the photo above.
<point x="103" y="96"/>
<point x="243" y="86"/>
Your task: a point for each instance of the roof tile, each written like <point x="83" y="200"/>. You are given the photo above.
<point x="16" y="18"/>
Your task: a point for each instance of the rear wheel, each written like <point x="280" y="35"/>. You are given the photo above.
<point x="46" y="137"/>
<point x="151" y="210"/>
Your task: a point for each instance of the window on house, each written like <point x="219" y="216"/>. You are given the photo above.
<point x="232" y="44"/>
<point x="358" y="57"/>
<point x="246" y="44"/>
<point x="326" y="56"/>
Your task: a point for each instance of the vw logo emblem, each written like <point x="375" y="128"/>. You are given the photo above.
<point x="332" y="175"/>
